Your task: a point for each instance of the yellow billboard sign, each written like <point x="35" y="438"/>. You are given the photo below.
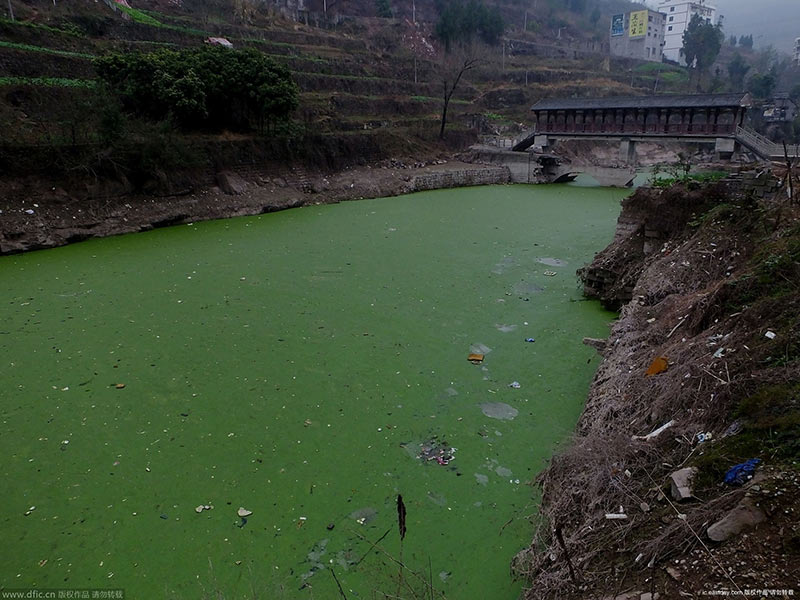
<point x="638" y="23"/>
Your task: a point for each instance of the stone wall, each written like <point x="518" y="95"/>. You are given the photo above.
<point x="459" y="178"/>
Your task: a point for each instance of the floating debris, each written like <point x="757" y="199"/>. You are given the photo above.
<point x="119" y="386"/>
<point x="199" y="509"/>
<point x="442" y="453"/>
<point x="30" y="510"/>
<point x="514" y="384"/>
<point x="771" y="335"/>
<point x="552" y="262"/>
<point x="243" y="512"/>
<point x="475" y="358"/>
<point x="362" y="516"/>
<point x="550" y="273"/>
<point x="530" y="340"/>
<point x="499" y="410"/>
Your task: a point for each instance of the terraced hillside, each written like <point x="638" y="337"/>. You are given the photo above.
<point x="359" y="82"/>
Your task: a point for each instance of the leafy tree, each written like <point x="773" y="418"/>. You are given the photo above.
<point x="763" y="85"/>
<point x="208" y="87"/>
<point x="384" y="8"/>
<point x="737" y="69"/>
<point x="732" y="41"/>
<point x="702" y="42"/>
<point x="462" y="22"/>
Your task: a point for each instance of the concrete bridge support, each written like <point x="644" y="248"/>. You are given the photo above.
<point x="627" y="152"/>
<point x="724" y="148"/>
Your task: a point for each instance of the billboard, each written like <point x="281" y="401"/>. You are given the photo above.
<point x="638" y="26"/>
<point x="617" y="25"/>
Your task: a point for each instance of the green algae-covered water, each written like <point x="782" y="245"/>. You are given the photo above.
<point x="307" y="366"/>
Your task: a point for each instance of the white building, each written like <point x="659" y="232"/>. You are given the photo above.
<point x="638" y="34"/>
<point x="679" y="14"/>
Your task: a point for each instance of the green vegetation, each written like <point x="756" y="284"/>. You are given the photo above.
<point x="770" y="420"/>
<point x="464" y="21"/>
<point x="701" y="44"/>
<point x="32" y="48"/>
<point x="737" y="69"/>
<point x="775" y="272"/>
<point x="48" y="81"/>
<point x="384" y="8"/>
<point x="206" y="87"/>
<point x="71" y="32"/>
<point x="148" y="18"/>
<point x="138" y="16"/>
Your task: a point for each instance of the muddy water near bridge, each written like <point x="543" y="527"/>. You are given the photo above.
<point x="308" y="366"/>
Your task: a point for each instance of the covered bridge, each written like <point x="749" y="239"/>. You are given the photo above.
<point x="666" y="114"/>
<point x="709" y="118"/>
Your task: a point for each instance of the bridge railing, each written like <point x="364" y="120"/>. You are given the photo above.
<point x="758" y="143"/>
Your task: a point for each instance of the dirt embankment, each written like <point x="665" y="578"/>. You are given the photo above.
<point x="35" y="213"/>
<point x="708" y="280"/>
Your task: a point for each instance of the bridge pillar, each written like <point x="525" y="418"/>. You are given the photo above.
<point x="627" y="152"/>
<point x="541" y="141"/>
<point x="724" y="148"/>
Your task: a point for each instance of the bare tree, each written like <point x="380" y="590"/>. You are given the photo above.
<point x="452" y="68"/>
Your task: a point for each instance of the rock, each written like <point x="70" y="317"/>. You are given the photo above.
<point x="649" y="596"/>
<point x="674" y="573"/>
<point x="230" y="183"/>
<point x="644" y="506"/>
<point x="596" y="343"/>
<point x="682" y="483"/>
<point x="243" y="512"/>
<point x="745" y="515"/>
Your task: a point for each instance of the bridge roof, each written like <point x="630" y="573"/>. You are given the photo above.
<point x="659" y="101"/>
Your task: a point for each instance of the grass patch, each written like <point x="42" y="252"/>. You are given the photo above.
<point x="147" y="18"/>
<point x="49" y="81"/>
<point x="70" y="32"/>
<point x="705" y="177"/>
<point x="655" y="67"/>
<point x="775" y="272"/>
<point x="30" y="48"/>
<point x="771" y="431"/>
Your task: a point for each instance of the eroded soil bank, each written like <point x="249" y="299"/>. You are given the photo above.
<point x="36" y="213"/>
<point x="708" y="281"/>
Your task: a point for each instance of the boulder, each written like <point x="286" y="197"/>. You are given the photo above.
<point x="745" y="515"/>
<point x="230" y="183"/>
<point x="682" y="483"/>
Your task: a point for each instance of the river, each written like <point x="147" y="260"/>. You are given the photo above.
<point x="307" y="366"/>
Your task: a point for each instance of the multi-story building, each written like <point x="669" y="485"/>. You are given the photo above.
<point x="679" y="14"/>
<point x="638" y="34"/>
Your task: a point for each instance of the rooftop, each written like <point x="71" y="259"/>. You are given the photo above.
<point x="659" y="101"/>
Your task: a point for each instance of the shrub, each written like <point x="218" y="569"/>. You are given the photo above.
<point x="208" y="87"/>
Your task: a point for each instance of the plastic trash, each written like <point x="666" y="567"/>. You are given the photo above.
<point x="475" y="358"/>
<point x="515" y="385"/>
<point x="771" y="335"/>
<point x="530" y="340"/>
<point x="740" y="473"/>
<point x="549" y="273"/>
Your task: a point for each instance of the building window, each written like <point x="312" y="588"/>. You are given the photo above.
<point x="670" y="28"/>
<point x="670" y="19"/>
<point x="671" y="9"/>
<point x="650" y="18"/>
